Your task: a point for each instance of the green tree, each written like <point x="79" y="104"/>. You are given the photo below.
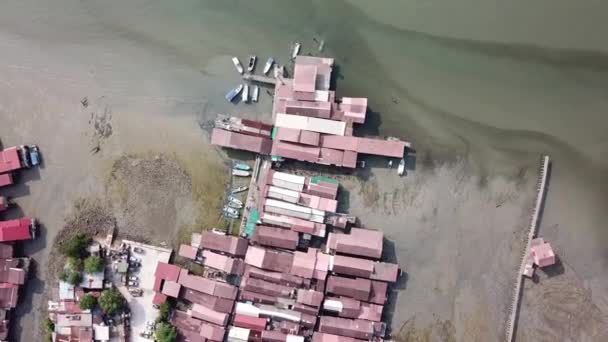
<point x="88" y="302"/>
<point x="63" y="275"/>
<point x="165" y="332"/>
<point x="76" y="246"/>
<point x="74" y="264"/>
<point x="111" y="301"/>
<point x="74" y="278"/>
<point x="163" y="311"/>
<point x="93" y="264"/>
<point x="48" y="327"/>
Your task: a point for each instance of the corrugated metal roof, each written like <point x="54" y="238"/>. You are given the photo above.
<point x="346" y="327"/>
<point x="310" y="124"/>
<point x="295" y="151"/>
<point x="275" y="237"/>
<point x="351" y="266"/>
<point x="9" y="160"/>
<point x="6" y="179"/>
<point x="212" y="332"/>
<point x="188" y="251"/>
<point x="211" y="316"/>
<point x="304" y="77"/>
<point x="171" y="288"/>
<point x="212" y="302"/>
<point x="15" y="230"/>
<point x="357" y="288"/>
<point x="167" y="271"/>
<point x="248" y="322"/>
<point x="287" y="134"/>
<point x="232" y="245"/>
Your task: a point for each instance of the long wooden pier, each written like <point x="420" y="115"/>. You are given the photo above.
<point x="540" y="198"/>
<point x="260" y="79"/>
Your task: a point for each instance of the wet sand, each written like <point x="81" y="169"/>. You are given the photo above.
<point x="492" y="87"/>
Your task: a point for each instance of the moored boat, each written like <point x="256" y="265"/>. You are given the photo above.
<point x="235" y="205"/>
<point x="256" y="93"/>
<point x="296" y="50"/>
<point x="237" y="64"/>
<point x="246" y="93"/>
<point x="241" y="173"/>
<point x="233" y="93"/>
<point x="239" y="189"/>
<point x="251" y="64"/>
<point x="268" y="65"/>
<point x="235" y="201"/>
<point x="401" y="168"/>
<point x="242" y="166"/>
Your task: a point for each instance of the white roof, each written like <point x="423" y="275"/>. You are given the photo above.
<point x="287" y="206"/>
<point x="101" y="332"/>
<point x="284" y="192"/>
<point x="288" y="185"/>
<point x="277" y="219"/>
<point x="289" y="177"/>
<point x="310" y="124"/>
<point x="294" y="338"/>
<point x="239" y="334"/>
<point x="332" y="305"/>
<point x="247" y="309"/>
<point x="322" y="95"/>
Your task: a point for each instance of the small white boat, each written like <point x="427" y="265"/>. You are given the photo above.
<point x="279" y="71"/>
<point x="230" y="211"/>
<point x="242" y="166"/>
<point x="268" y="65"/>
<point x="321" y="45"/>
<point x="239" y="189"/>
<point x="246" y="93"/>
<point x="241" y="173"/>
<point x="237" y="64"/>
<point x="256" y="94"/>
<point x="296" y="50"/>
<point x="235" y="205"/>
<point x="401" y="168"/>
<point x="235" y="201"/>
<point x="251" y="64"/>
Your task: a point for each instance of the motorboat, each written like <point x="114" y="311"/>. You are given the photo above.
<point x="230" y="211"/>
<point x="268" y="65"/>
<point x="237" y="64"/>
<point x="235" y="200"/>
<point x="235" y="205"/>
<point x="233" y="93"/>
<point x="251" y="64"/>
<point x="246" y="93"/>
<point x="242" y="166"/>
<point x="296" y="50"/>
<point x="255" y="94"/>
<point x="401" y="168"/>
<point x="239" y="189"/>
<point x="241" y="173"/>
<point x="230" y="215"/>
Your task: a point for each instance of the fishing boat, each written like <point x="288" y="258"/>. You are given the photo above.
<point x="237" y="64"/>
<point x="230" y="211"/>
<point x="241" y="173"/>
<point x="296" y="50"/>
<point x="246" y="93"/>
<point x="235" y="205"/>
<point x="234" y="93"/>
<point x="251" y="64"/>
<point x="321" y="45"/>
<point x="239" y="189"/>
<point x="279" y="70"/>
<point x="235" y="201"/>
<point x="401" y="168"/>
<point x="241" y="166"/>
<point x="256" y="93"/>
<point x="268" y="65"/>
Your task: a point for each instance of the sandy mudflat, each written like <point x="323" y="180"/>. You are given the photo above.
<point x="479" y="109"/>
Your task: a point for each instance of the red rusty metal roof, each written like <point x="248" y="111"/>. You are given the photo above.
<point x="248" y="322"/>
<point x="321" y="266"/>
<point x="6" y="179"/>
<point x="349" y="159"/>
<point x="10" y="273"/>
<point x="310" y="297"/>
<point x="212" y="332"/>
<point x="215" y="303"/>
<point x="167" y="271"/>
<point x="15" y="230"/>
<point x="222" y="262"/>
<point x="188" y="251"/>
<point x="188" y="328"/>
<point x="542" y="253"/>
<point x="8" y="295"/>
<point x="304" y="77"/>
<point x="295" y="151"/>
<point x="159" y="298"/>
<point x="325" y="337"/>
<point x="9" y="160"/>
<point x="378" y="293"/>
<point x="275" y="237"/>
<point x="6" y="251"/>
<point x="385" y="271"/>
<point x="206" y="314"/>
<point x="208" y="286"/>
<point x="171" y="288"/>
<point x="331" y="156"/>
<point x="287" y="134"/>
<point x="254" y="297"/>
<point x="346" y="327"/>
<point x="310" y="138"/>
<point x="240" y="141"/>
<point x="304" y="263"/>
<point x="362" y="242"/>
<point x="357" y="288"/>
<point x="276" y="277"/>
<point x="232" y="245"/>
<point x="355" y="267"/>
<point x="309" y="108"/>
<point x="269" y="259"/>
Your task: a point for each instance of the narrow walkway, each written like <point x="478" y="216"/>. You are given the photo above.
<point x="540" y="197"/>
